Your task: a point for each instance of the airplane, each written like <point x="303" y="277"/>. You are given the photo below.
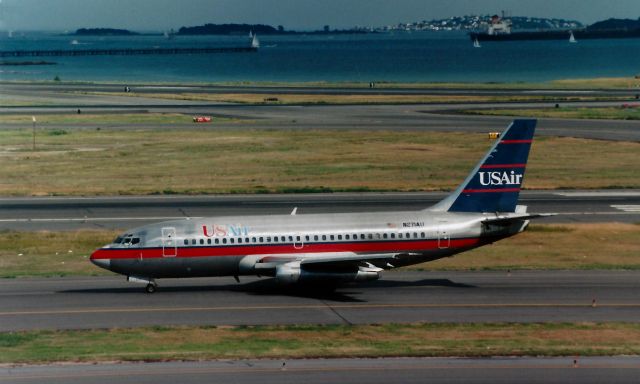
<point x="335" y="248"/>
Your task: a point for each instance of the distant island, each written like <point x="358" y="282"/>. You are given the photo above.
<point x="501" y="29"/>
<point x="478" y="22"/>
<point x="615" y="25"/>
<point x="103" y="32"/>
<point x="258" y="29"/>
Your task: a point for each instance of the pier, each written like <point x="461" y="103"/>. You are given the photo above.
<point x="125" y="51"/>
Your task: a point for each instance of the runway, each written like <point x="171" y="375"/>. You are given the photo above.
<point x="29" y="214"/>
<point x="399" y="297"/>
<point x="40" y="99"/>
<point x="374" y="371"/>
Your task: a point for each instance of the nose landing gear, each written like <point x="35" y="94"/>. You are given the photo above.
<point x="150" y="288"/>
<point x="151" y="285"/>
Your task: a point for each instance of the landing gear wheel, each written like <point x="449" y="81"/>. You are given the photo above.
<point x="150" y="288"/>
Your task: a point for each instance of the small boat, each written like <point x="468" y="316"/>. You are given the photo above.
<point x="251" y="34"/>
<point x="255" y="43"/>
<point x="476" y="44"/>
<point x="75" y="42"/>
<point x="572" y="39"/>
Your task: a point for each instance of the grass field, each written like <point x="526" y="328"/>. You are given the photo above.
<point x="208" y="160"/>
<point x="592" y="83"/>
<point x="614" y="113"/>
<point x="575" y="246"/>
<point x="107" y="119"/>
<point x="198" y="343"/>
<point x="319" y="98"/>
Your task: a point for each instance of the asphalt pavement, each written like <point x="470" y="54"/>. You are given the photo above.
<point x="583" y="370"/>
<point x="399" y="297"/>
<point x="71" y="213"/>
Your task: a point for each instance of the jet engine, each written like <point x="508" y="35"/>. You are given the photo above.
<point x="294" y="272"/>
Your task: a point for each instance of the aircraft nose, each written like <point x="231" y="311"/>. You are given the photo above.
<point x="100" y="262"/>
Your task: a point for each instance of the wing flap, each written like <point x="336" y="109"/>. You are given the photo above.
<point x="317" y="260"/>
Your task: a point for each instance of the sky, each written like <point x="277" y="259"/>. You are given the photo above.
<point x="158" y="15"/>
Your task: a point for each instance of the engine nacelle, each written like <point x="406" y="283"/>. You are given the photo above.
<point x="293" y="272"/>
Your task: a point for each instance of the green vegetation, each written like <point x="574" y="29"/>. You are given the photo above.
<point x="50" y="253"/>
<point x="593" y="83"/>
<point x="326" y="98"/>
<point x="313" y="341"/>
<point x="616" y="113"/>
<point x="571" y="246"/>
<point x="207" y="159"/>
<point x="574" y="246"/>
<point x="111" y="118"/>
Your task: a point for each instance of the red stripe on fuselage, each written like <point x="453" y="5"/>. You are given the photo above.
<point x="243" y="250"/>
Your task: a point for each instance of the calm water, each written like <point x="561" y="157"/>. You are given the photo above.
<point x="417" y="57"/>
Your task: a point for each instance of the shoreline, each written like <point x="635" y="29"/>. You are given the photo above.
<point x="596" y="83"/>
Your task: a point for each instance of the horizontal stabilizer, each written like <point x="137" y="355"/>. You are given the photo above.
<point x="499" y="219"/>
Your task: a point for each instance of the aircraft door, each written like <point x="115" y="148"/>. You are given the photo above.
<point x="444" y="239"/>
<point x="169" y="244"/>
<point x="298" y="242"/>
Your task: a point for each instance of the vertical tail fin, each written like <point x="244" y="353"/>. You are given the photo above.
<point x="494" y="184"/>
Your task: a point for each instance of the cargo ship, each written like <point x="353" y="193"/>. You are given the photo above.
<point x="500" y="30"/>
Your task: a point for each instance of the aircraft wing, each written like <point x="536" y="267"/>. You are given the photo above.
<point x="325" y="260"/>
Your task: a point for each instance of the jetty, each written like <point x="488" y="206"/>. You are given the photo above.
<point x="125" y="51"/>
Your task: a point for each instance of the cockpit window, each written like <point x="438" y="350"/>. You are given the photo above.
<point x="127" y="241"/>
<point x="135" y="240"/>
<point x="118" y="240"/>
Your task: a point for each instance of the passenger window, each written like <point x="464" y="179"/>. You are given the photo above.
<point x="208" y="241"/>
<point x="283" y="239"/>
<point x="262" y="239"/>
<point x="393" y="235"/>
<point x="239" y="240"/>
<point x="384" y="235"/>
<point x="346" y="237"/>
<point x="193" y="241"/>
<point x="339" y="237"/>
<point x="291" y="238"/>
<point x="217" y="241"/>
<point x="331" y="237"/>
<point x="231" y="240"/>
<point x="370" y="236"/>
<point x="253" y="240"/>
<point x="315" y="237"/>
<point x="324" y="237"/>
<point x="415" y="235"/>
<point x="297" y="238"/>
<point x="268" y="239"/>
<point x="201" y="241"/>
<point x="224" y="241"/>
<point x="246" y="239"/>
<point x="306" y="238"/>
<point x="422" y="234"/>
<point x="186" y="242"/>
<point x="362" y="237"/>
